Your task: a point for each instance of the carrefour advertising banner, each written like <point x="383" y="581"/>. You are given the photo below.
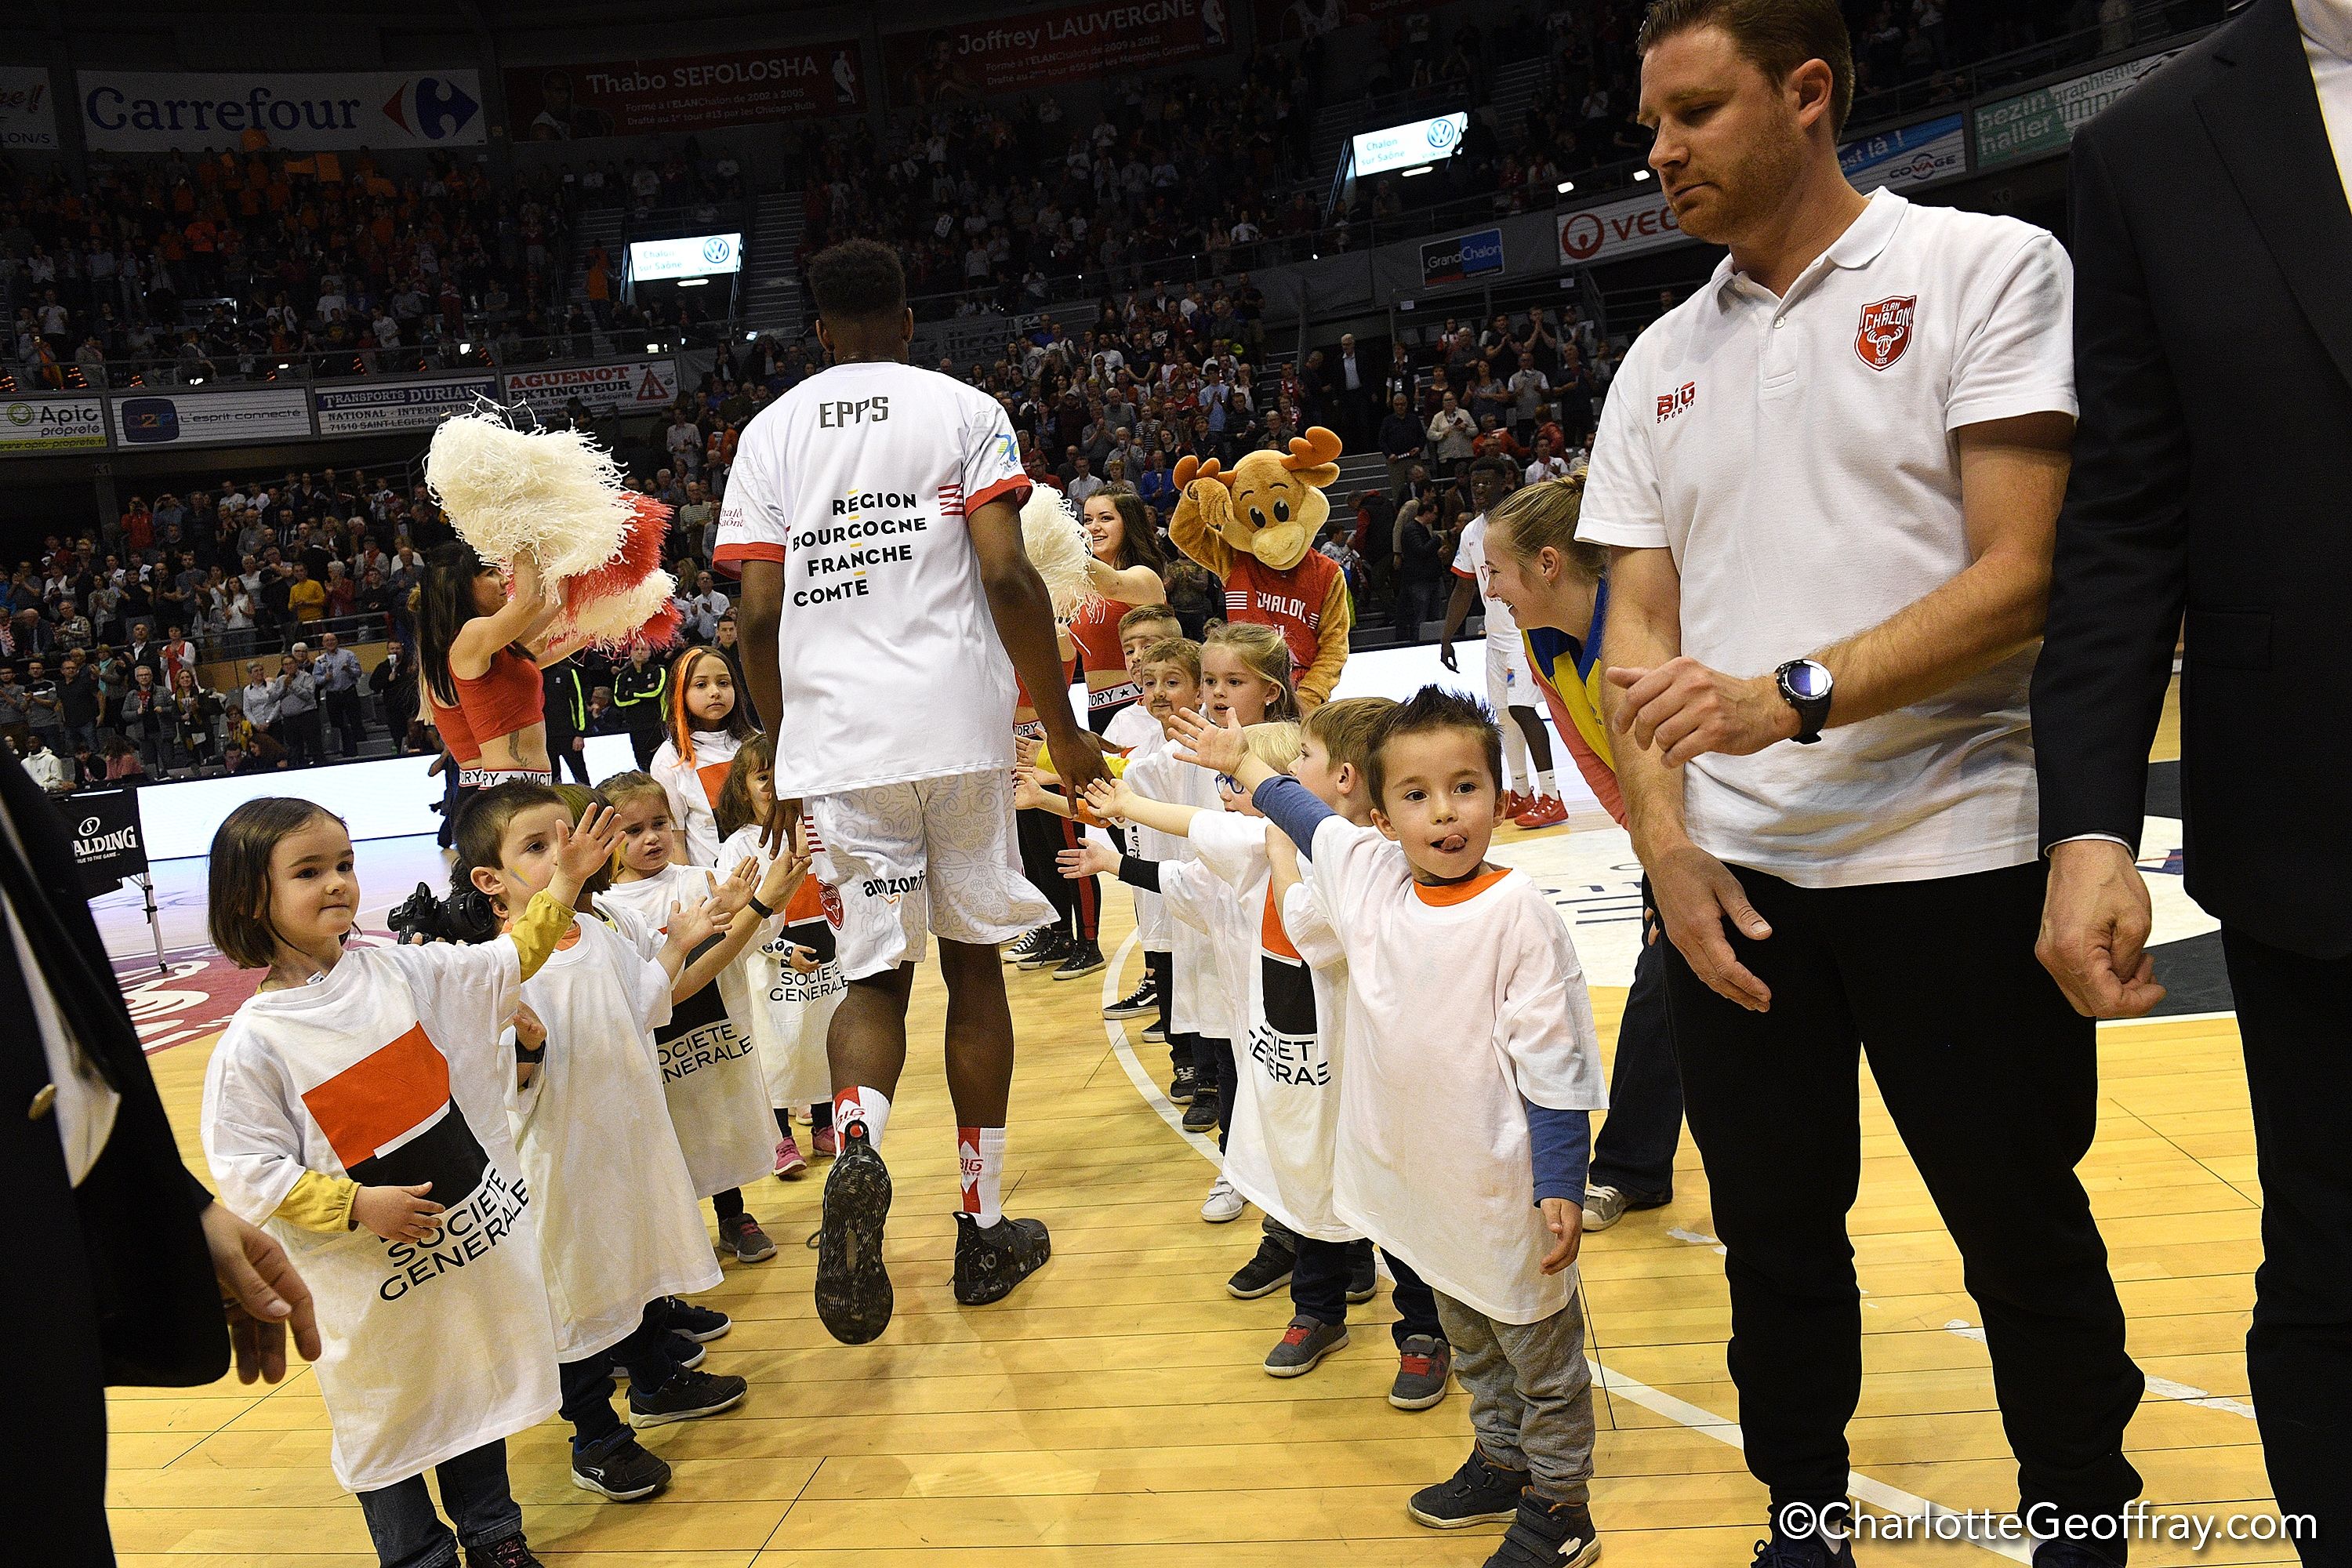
<point x="625" y="386"/>
<point x="1909" y="155"/>
<point x="687" y="92"/>
<point x="2034" y="125"/>
<point x="398" y="405"/>
<point x="40" y="424"/>
<point x="211" y="418"/>
<point x="1038" y="49"/>
<point x="153" y="112"/>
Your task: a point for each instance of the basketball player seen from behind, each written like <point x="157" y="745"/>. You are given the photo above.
<point x="874" y="514"/>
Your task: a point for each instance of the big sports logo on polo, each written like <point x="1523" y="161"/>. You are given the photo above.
<point x="1885" y="330"/>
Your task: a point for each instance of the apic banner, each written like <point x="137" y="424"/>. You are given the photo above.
<point x="1038" y="49"/>
<point x="688" y="92"/>
<point x="28" y="111"/>
<point x="638" y="385"/>
<point x="398" y="405"/>
<point x="43" y="424"/>
<point x="1910" y="155"/>
<point x="211" y="418"/>
<point x="2034" y="125"/>
<point x="1619" y="229"/>
<point x="107" y="845"/>
<point x="1462" y="256"/>
<point x="153" y="112"/>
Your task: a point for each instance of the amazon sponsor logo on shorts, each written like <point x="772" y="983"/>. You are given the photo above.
<point x="890" y="887"/>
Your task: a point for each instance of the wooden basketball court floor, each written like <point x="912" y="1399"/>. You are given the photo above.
<point x="1112" y="1414"/>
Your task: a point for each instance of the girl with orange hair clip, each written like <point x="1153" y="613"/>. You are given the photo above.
<point x="707" y="722"/>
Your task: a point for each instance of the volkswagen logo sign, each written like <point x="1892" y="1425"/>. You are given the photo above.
<point x="88" y="825"/>
<point x="714" y="250"/>
<point x="1441" y="135"/>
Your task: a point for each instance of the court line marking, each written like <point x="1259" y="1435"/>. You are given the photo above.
<point x="2188" y="1394"/>
<point x="1892" y="1500"/>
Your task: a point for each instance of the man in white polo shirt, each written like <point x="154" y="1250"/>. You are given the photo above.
<point x="1830" y="479"/>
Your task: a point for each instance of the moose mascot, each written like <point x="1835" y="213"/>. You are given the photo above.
<point x="1255" y="528"/>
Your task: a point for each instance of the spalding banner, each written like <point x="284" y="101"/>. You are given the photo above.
<point x="153" y="112"/>
<point x="107" y="845"/>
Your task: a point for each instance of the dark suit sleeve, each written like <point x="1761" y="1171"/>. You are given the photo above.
<point x="2120" y="577"/>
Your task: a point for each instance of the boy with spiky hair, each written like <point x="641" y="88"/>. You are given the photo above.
<point x="1465" y="1124"/>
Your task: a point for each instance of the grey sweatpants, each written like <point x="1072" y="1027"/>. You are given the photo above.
<point x="1530" y="1392"/>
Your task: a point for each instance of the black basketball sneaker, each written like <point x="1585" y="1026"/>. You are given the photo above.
<point x="852" y="1285"/>
<point x="989" y="1263"/>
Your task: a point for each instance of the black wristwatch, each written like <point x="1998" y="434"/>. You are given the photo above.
<point x="758" y="909"/>
<point x="1805" y="685"/>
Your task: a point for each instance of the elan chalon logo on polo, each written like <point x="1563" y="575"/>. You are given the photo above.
<point x="1885" y="330"/>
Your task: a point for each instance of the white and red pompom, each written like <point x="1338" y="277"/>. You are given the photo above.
<point x="1056" y="544"/>
<point x="557" y="494"/>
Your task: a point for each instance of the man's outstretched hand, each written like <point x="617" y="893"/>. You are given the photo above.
<point x="261" y="1295"/>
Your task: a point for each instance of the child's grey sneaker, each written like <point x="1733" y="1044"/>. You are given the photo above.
<point x="1422" y="1366"/>
<point x="1478" y="1493"/>
<point x="1547" y="1534"/>
<point x="1304" y="1344"/>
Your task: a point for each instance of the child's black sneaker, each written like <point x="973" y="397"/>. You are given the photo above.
<point x="1361" y="1280"/>
<point x="853" y="1284"/>
<point x="1269" y="1271"/>
<point x="1049" y="953"/>
<point x="1201" y="1116"/>
<point x="681" y="1351"/>
<point x="1144" y="998"/>
<point x="1156" y="1032"/>
<point x="989" y="1263"/>
<point x="1305" y="1342"/>
<point x="1548" y="1534"/>
<point x="1422" y="1363"/>
<point x="741" y="1235"/>
<point x="1082" y="958"/>
<point x="1179" y="1087"/>
<point x="1028" y="946"/>
<point x="511" y="1552"/>
<point x="618" y="1467"/>
<point x="1478" y="1493"/>
<point x="700" y="1324"/>
<point x="689" y="1396"/>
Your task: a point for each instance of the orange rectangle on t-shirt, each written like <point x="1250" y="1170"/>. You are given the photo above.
<point x="376" y="1100"/>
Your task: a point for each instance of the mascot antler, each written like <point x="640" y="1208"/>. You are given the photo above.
<point x="1312" y="450"/>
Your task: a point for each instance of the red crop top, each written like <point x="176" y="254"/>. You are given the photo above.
<point x="454" y="733"/>
<point x="508" y="697"/>
<point x="1095" y="628"/>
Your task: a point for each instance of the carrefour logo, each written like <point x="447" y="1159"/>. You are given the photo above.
<point x="430" y="108"/>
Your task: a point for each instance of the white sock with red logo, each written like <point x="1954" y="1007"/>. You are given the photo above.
<point x="1544" y="784"/>
<point x="981" y="1151"/>
<point x="869" y="1106"/>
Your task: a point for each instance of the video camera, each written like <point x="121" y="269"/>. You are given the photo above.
<point x="464" y="916"/>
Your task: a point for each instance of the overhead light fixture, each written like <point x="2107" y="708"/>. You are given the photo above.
<point x="751" y="337"/>
<point x="1641" y="174"/>
<point x="1409" y="174"/>
<point x="465" y="348"/>
<point x="1566" y="186"/>
<point x="195" y="381"/>
<point x="653" y="348"/>
<point x="692" y="282"/>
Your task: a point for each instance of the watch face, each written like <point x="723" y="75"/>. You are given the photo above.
<point x="1808" y="680"/>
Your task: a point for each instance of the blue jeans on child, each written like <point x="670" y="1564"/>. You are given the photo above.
<point x="408" y="1534"/>
<point x="1319" y="1287"/>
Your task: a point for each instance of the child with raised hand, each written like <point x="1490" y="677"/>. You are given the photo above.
<point x="1244" y="680"/>
<point x="708" y="724"/>
<point x="355" y="1109"/>
<point x="616" y="1236"/>
<point x="1465" y="1122"/>
<point x="792" y="980"/>
<point x="1139" y="732"/>
<point x="711" y="1069"/>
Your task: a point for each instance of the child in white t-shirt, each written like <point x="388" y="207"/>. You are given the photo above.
<point x="710" y="1069"/>
<point x="355" y="1109"/>
<point x="708" y="721"/>
<point x="1465" y="1116"/>
<point x="617" y="1238"/>
<point x="794" y="978"/>
<point x="1138" y="732"/>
